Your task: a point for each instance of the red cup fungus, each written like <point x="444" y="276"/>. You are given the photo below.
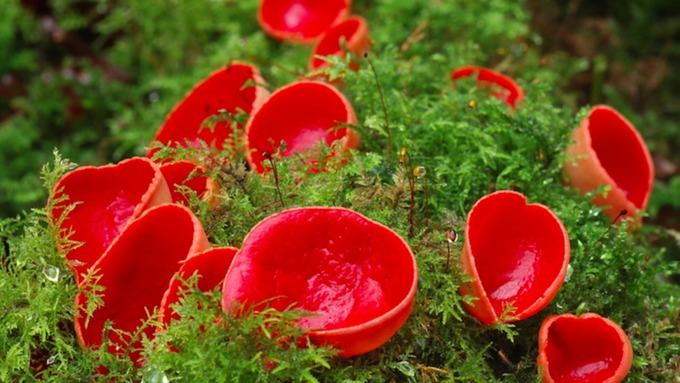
<point x="356" y="277"/>
<point x="585" y="349"/>
<point x="210" y="266"/>
<point x="106" y="199"/>
<point x="608" y="150"/>
<point x="180" y="175"/>
<point x="303" y="115"/>
<point x="300" y="21"/>
<point x="134" y="273"/>
<point x="351" y="34"/>
<point x="502" y="87"/>
<point x="203" y="114"/>
<point x="517" y="253"/>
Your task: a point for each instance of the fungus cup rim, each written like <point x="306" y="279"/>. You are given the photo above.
<point x="482" y="308"/>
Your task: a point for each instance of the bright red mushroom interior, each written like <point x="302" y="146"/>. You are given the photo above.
<point x="330" y="44"/>
<point x="518" y="251"/>
<point x="337" y="265"/>
<point x="308" y="18"/>
<point x="621" y="153"/>
<point x="139" y="268"/>
<point x="302" y="116"/>
<point x="182" y="175"/>
<point x="198" y="115"/>
<point x="107" y="198"/>
<point x="582" y="350"/>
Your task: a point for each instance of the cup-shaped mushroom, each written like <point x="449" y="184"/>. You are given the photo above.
<point x="133" y="276"/>
<point x="300" y="21"/>
<point x="104" y="200"/>
<point x="349" y="34"/>
<point x="355" y="277"/>
<point x="185" y="176"/>
<point x="210" y="267"/>
<point x="206" y="113"/>
<point x="585" y="349"/>
<point x="608" y="150"/>
<point x="302" y="115"/>
<point x="500" y="86"/>
<point x="518" y="255"/>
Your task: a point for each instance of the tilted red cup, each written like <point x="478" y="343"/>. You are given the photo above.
<point x="210" y="266"/>
<point x="229" y="90"/>
<point x="518" y="254"/>
<point x="351" y="34"/>
<point x="608" y="150"/>
<point x="502" y="87"/>
<point x="186" y="174"/>
<point x="356" y="277"/>
<point x="303" y="115"/>
<point x="106" y="199"/>
<point x="135" y="272"/>
<point x="585" y="349"/>
<point x="300" y="21"/>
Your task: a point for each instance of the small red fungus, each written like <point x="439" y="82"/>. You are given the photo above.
<point x="585" y="349"/>
<point x="187" y="174"/>
<point x="518" y="254"/>
<point x="106" y="198"/>
<point x="300" y="21"/>
<point x="303" y="115"/>
<point x="211" y="266"/>
<point x="351" y="33"/>
<point x="355" y="276"/>
<point x="204" y="113"/>
<point x="608" y="150"/>
<point x="502" y="87"/>
<point x="135" y="272"/>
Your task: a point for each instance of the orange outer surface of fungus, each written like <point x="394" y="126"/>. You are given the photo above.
<point x="135" y="272"/>
<point x="225" y="91"/>
<point x="356" y="277"/>
<point x="585" y="349"/>
<point x="502" y="87"/>
<point x="303" y="115"/>
<point x="518" y="254"/>
<point x="352" y="30"/>
<point x="106" y="199"/>
<point x="608" y="150"/>
<point x="300" y="21"/>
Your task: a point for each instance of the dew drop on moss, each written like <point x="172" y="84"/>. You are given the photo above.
<point x="51" y="273"/>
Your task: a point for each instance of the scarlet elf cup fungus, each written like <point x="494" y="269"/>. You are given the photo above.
<point x="355" y="276"/>
<point x="106" y="198"/>
<point x="585" y="349"/>
<point x="350" y="33"/>
<point x="210" y="266"/>
<point x="300" y="21"/>
<point x="303" y="115"/>
<point x="236" y="87"/>
<point x="608" y="150"/>
<point x="135" y="272"/>
<point x="187" y="174"/>
<point x="518" y="254"/>
<point x="502" y="87"/>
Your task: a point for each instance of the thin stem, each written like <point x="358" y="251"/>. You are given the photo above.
<point x="384" y="107"/>
<point x="269" y="157"/>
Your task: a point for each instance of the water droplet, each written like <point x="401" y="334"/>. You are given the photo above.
<point x="153" y="374"/>
<point x="419" y="171"/>
<point x="570" y="270"/>
<point x="154" y="97"/>
<point x="451" y="236"/>
<point x="52" y="359"/>
<point x="51" y="273"/>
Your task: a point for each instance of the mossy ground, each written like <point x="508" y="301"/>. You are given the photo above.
<point x="468" y="143"/>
